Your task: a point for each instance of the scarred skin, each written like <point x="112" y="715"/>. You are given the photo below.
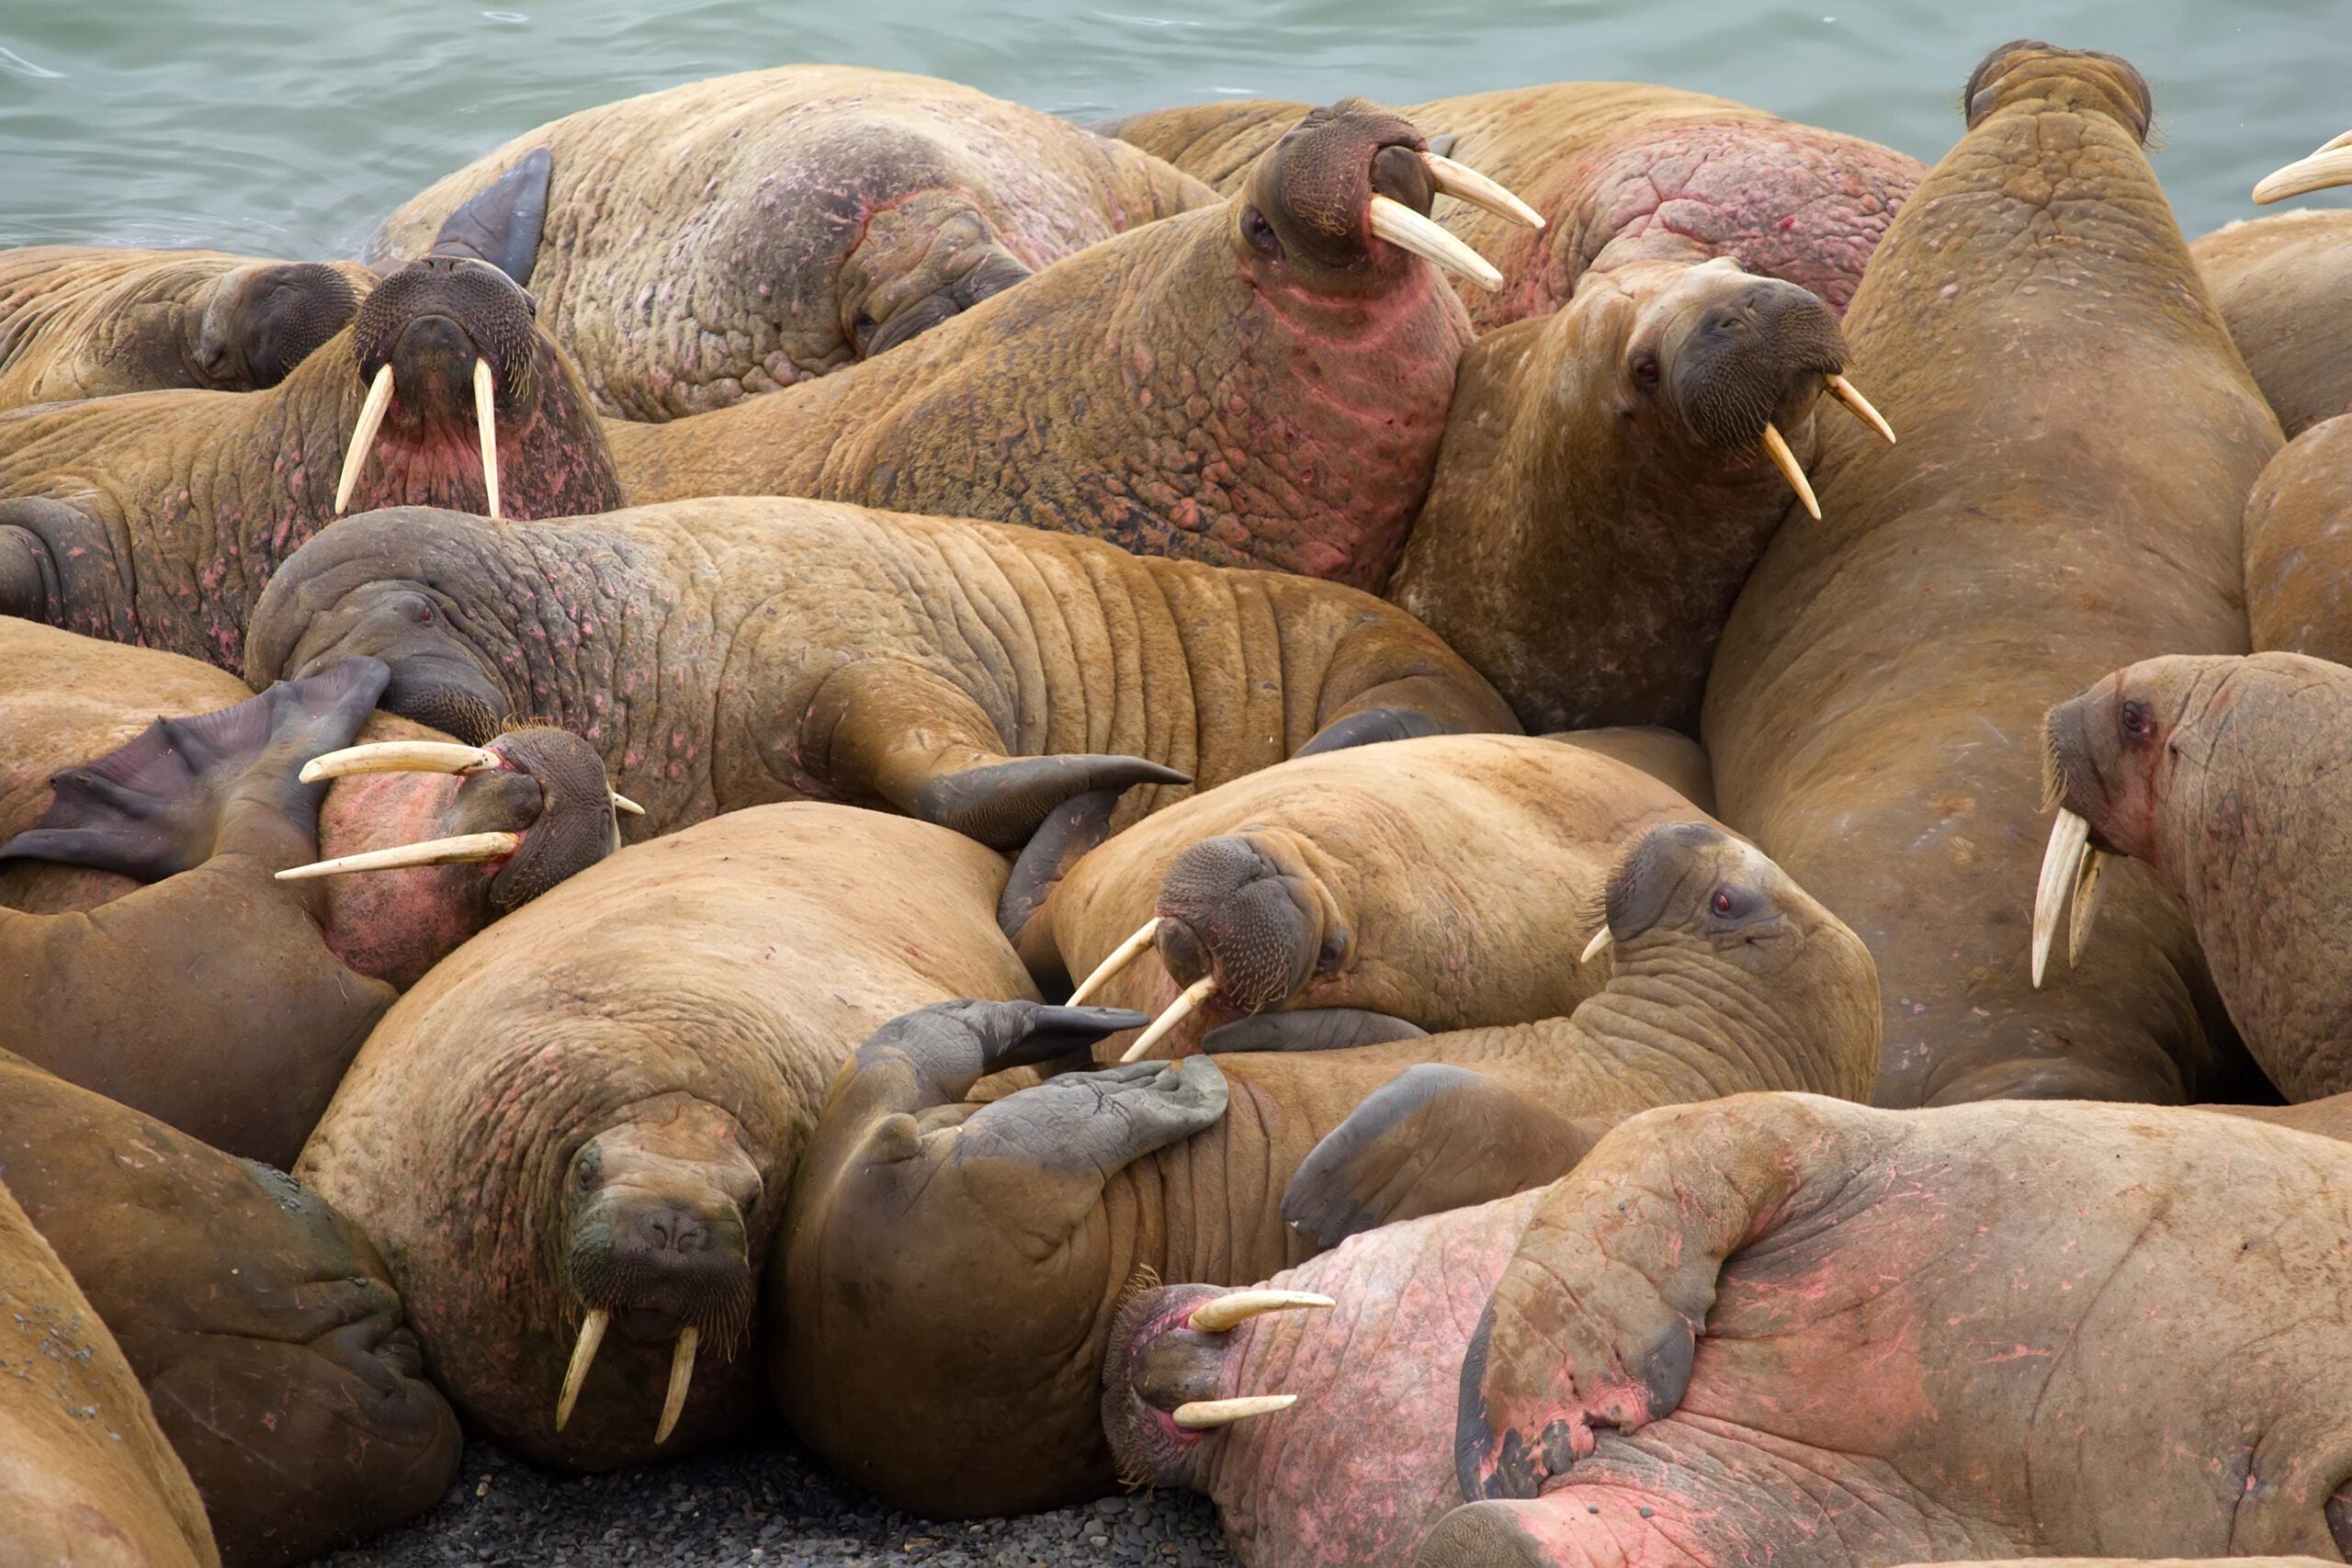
<point x="260" y="1320"/>
<point x="85" y="1475"/>
<point x="601" y="1101"/>
<point x="1261" y="382"/>
<point x="722" y="653"/>
<point x="2085" y="1329"/>
<point x="2299" y="547"/>
<point x="157" y="517"/>
<point x="2281" y="282"/>
<point x="952" y="1269"/>
<point x="93" y="321"/>
<point x="1874" y="705"/>
<point x="746" y="232"/>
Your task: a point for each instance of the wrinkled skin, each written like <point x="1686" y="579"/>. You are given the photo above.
<point x="951" y="1270"/>
<point x="2225" y="777"/>
<point x="746" y="232"/>
<point x="259" y="1320"/>
<point x="2281" y="282"/>
<point x="156" y="518"/>
<point x="1874" y="707"/>
<point x="2086" y="1330"/>
<point x="179" y="977"/>
<point x="724" y="653"/>
<point x="2298" y="546"/>
<point x="1262" y="382"/>
<point x="85" y="1475"/>
<point x="600" y="1103"/>
<point x="91" y="320"/>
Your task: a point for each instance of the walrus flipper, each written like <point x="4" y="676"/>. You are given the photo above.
<point x="500" y="223"/>
<point x="1310" y="1029"/>
<point x="158" y="804"/>
<point x="1407" y="707"/>
<point x="38" y="533"/>
<point x="1079" y="1130"/>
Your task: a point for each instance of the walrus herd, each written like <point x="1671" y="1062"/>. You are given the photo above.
<point x="1570" y="828"/>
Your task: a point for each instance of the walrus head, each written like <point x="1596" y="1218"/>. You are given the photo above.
<point x="261" y="320"/>
<point x="1165" y="1369"/>
<point x="2025" y="69"/>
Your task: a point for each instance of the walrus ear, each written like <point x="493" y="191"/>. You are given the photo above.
<point x="500" y="223"/>
<point x="1310" y="1029"/>
<point x="153" y="807"/>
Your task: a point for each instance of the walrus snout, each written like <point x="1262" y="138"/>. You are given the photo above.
<point x="261" y="322"/>
<point x="570" y="822"/>
<point x="1172" y="1351"/>
<point x="1746" y="354"/>
<point x="2024" y="69"/>
<point x="1243" y="913"/>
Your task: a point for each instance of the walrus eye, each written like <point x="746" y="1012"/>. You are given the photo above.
<point x="1732" y="902"/>
<point x="2136" y="722"/>
<point x="1334" y="949"/>
<point x="1645" y="370"/>
<point x="1259" y="232"/>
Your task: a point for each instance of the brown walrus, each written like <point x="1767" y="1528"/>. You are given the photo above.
<point x="2281" y="281"/>
<point x="2298" y="546"/>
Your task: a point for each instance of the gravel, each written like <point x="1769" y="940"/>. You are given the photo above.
<point x="762" y="1503"/>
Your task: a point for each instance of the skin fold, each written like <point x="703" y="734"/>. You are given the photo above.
<point x="2281" y="282"/>
<point x="746" y="232"/>
<point x="1782" y="1328"/>
<point x="259" y="1320"/>
<point x="600" y="1103"/>
<point x="2298" y="546"/>
<point x="85" y="1475"/>
<point x="1874" y="705"/>
<point x="92" y="320"/>
<point x="728" y="652"/>
<point x="1261" y="382"/>
<point x="952" y="1269"/>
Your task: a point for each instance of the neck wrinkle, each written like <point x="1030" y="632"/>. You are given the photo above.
<point x="1695" y="1021"/>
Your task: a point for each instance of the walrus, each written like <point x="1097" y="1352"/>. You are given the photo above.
<point x="920" y="1214"/>
<point x="2296" y="553"/>
<point x="259" y="1320"/>
<point x="573" y="1140"/>
<point x="2281" y="282"/>
<point x="92" y="320"/>
<point x="1874" y="707"/>
<point x="735" y="235"/>
<point x="87" y="1475"/>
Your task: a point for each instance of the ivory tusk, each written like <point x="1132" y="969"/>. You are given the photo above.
<point x="1465" y="184"/>
<point x="1178" y="1011"/>
<point x="463" y="848"/>
<point x="1846" y="392"/>
<point x="2061" y="865"/>
<point x="1237" y="1307"/>
<point x="623" y="802"/>
<point x="2088" y="891"/>
<point x="363" y="435"/>
<point x="486" y="422"/>
<point x="1776" y="446"/>
<point x="2330" y="165"/>
<point x="399" y="757"/>
<point x="1424" y="237"/>
<point x="682" y="1376"/>
<point x="1596" y="946"/>
<point x="583" y="1356"/>
<point x="1121" y="957"/>
<point x="1202" y="1414"/>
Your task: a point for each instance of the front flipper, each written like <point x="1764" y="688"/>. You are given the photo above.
<point x="1069" y="831"/>
<point x="1310" y="1029"/>
<point x="500" y="223"/>
<point x="1436" y="1137"/>
<point x="41" y="541"/>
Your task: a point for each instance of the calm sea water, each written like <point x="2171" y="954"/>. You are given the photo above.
<point x="289" y="127"/>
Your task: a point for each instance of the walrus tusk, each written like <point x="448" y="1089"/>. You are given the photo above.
<point x="1407" y="230"/>
<point x="1776" y="446"/>
<point x="583" y="1356"/>
<point x="1846" y="392"/>
<point x="486" y="422"/>
<point x="681" y="1375"/>
<point x="2088" y="891"/>
<point x="623" y="802"/>
<point x="1237" y="1307"/>
<point x="2330" y="165"/>
<point x="2061" y="865"/>
<point x="455" y="850"/>
<point x="1202" y="1414"/>
<point x="1178" y="1010"/>
<point x="399" y="757"/>
<point x="363" y="435"/>
<point x="1463" y="183"/>
<point x="1596" y="946"/>
<point x="1121" y="957"/>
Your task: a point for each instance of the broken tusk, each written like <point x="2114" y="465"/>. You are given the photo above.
<point x="1596" y="946"/>
<point x="623" y="802"/>
<point x="363" y="435"/>
<point x="681" y="1375"/>
<point x="583" y="1356"/>
<point x="1424" y="237"/>
<point x="1237" y="1307"/>
<point x="1465" y="184"/>
<point x="463" y="848"/>
<point x="486" y="422"/>
<point x="1846" y="392"/>
<point x="399" y="757"/>
<point x="2330" y="165"/>
<point x="2061" y="865"/>
<point x="1202" y="1414"/>
<point x="1178" y="1011"/>
<point x="2088" y="891"/>
<point x="1121" y="957"/>
<point x="1776" y="446"/>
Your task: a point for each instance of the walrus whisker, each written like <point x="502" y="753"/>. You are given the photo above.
<point x="1203" y="1414"/>
<point x="1237" y="1307"/>
<point x="682" y="1376"/>
<point x="583" y="1356"/>
<point x="2329" y="164"/>
<point x="1848" y="394"/>
<point x="461" y="849"/>
<point x="1596" y="946"/>
<point x="1409" y="230"/>
<point x="486" y="423"/>
<point x="1776" y="446"/>
<point x="1465" y="184"/>
<point x="399" y="757"/>
<point x="363" y="435"/>
<point x="1121" y="957"/>
<point x="2061" y="865"/>
<point x="1178" y="1011"/>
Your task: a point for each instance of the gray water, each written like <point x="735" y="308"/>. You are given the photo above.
<point x="289" y="127"/>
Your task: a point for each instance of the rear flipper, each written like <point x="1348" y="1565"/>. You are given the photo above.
<point x="1435" y="1138"/>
